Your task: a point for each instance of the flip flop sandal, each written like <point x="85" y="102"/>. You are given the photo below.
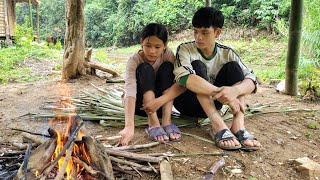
<point x="244" y="135"/>
<point x="223" y="135"/>
<point x="155" y="132"/>
<point x="170" y="129"/>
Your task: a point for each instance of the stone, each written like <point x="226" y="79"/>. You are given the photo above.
<point x="308" y="167"/>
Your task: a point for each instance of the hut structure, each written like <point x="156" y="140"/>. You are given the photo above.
<point x="8" y="17"/>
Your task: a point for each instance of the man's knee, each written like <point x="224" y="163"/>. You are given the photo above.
<point x="200" y="68"/>
<point x="232" y="67"/>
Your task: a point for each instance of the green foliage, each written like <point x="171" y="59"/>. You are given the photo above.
<point x="313" y="125"/>
<point x="52" y="19"/>
<point x="23" y="33"/>
<point x="101" y="55"/>
<point x="308" y="134"/>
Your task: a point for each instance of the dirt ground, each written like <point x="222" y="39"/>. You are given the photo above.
<point x="284" y="135"/>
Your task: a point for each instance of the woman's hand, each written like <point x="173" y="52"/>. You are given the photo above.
<point x="152" y="106"/>
<point x="126" y="135"/>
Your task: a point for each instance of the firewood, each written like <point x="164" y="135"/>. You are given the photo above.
<point x="154" y="169"/>
<point x="132" y="164"/>
<point x="22" y="146"/>
<point x="24" y="167"/>
<point x="88" y="168"/>
<point x="47" y="169"/>
<point x="165" y="170"/>
<point x="63" y="168"/>
<point x="117" y="168"/>
<point x="135" y="156"/>
<point x="140" y="146"/>
<point x="98" y="157"/>
<point x="12" y="153"/>
<point x="33" y="133"/>
<point x="34" y="138"/>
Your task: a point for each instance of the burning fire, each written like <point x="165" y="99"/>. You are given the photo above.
<point x="79" y="151"/>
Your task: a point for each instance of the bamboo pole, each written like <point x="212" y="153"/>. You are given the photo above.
<point x="292" y="64"/>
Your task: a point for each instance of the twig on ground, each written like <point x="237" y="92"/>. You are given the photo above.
<point x="198" y="137"/>
<point x="33" y="133"/>
<point x="131" y="155"/>
<point x="131" y="164"/>
<point x="140" y="146"/>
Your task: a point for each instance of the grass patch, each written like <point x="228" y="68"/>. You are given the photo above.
<point x="13" y="62"/>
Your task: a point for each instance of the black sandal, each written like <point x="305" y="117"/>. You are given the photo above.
<point x="223" y="135"/>
<point x="244" y="135"/>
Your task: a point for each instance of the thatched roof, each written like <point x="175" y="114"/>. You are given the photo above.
<point x="27" y="1"/>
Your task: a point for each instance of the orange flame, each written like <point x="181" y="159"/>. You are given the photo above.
<point x="78" y="152"/>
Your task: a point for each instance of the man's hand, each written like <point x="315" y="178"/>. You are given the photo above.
<point x="152" y="106"/>
<point x="126" y="135"/>
<point x="236" y="106"/>
<point x="227" y="94"/>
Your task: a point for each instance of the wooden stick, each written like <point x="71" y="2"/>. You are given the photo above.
<point x="74" y="171"/>
<point x="154" y="169"/>
<point x="38" y="134"/>
<point x="22" y="146"/>
<point x="25" y="162"/>
<point x="117" y="168"/>
<point x="213" y="169"/>
<point x="132" y="164"/>
<point x="89" y="169"/>
<point x="108" y="138"/>
<point x="133" y="147"/>
<point x="13" y="157"/>
<point x="136" y="170"/>
<point x="198" y="154"/>
<point x="34" y="138"/>
<point x="165" y="170"/>
<point x="13" y="153"/>
<point x="183" y="155"/>
<point x="63" y="168"/>
<point x="135" y="156"/>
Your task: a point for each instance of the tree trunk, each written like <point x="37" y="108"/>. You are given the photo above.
<point x="73" y="58"/>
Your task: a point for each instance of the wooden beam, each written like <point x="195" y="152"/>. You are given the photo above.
<point x="293" y="55"/>
<point x="208" y="3"/>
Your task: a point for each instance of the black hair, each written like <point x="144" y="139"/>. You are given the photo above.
<point x="206" y="17"/>
<point x="155" y="29"/>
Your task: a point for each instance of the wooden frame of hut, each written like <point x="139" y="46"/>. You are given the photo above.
<point x="8" y="17"/>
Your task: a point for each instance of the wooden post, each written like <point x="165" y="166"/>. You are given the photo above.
<point x="6" y="20"/>
<point x="292" y="63"/>
<point x="208" y="3"/>
<point x="30" y="10"/>
<point x="38" y="24"/>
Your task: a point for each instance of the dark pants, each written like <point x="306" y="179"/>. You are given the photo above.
<point x="188" y="104"/>
<point x="147" y="80"/>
